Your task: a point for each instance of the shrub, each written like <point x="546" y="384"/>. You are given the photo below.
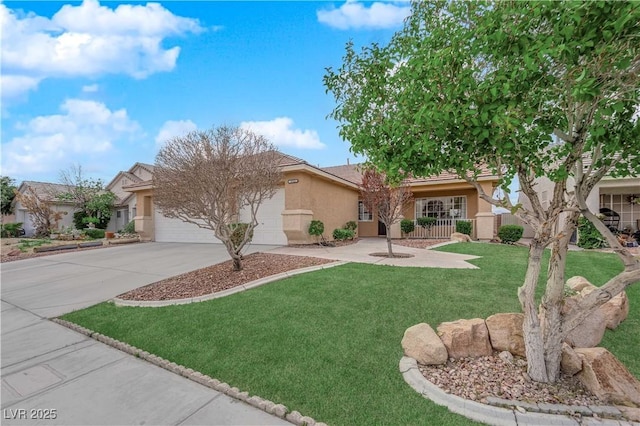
<point x="316" y="227"/>
<point x="343" y="234"/>
<point x="407" y="226"/>
<point x="351" y="225"/>
<point x="94" y="233"/>
<point x="130" y="228"/>
<point x="464" y="227"/>
<point x="426" y="222"/>
<point x="588" y="236"/>
<point x="238" y="231"/>
<point x="509" y="234"/>
<point x="8" y="230"/>
<point x="81" y="218"/>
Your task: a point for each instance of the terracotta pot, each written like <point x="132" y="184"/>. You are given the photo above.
<point x="110" y="235"/>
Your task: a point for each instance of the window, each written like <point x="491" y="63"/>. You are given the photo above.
<point x="364" y="215"/>
<point x="442" y="207"/>
<point x="119" y="214"/>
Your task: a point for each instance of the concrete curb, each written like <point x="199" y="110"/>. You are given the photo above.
<point x="501" y="412"/>
<point x="265" y="405"/>
<point x="223" y="293"/>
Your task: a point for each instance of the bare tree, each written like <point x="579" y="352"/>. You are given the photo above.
<point x="384" y="198"/>
<point x="207" y="178"/>
<point x="44" y="218"/>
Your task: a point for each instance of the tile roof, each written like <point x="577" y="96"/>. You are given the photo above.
<point x="45" y="190"/>
<point x="351" y="172"/>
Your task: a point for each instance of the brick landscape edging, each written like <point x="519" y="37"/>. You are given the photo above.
<point x="496" y="413"/>
<point x="223" y="293"/>
<point x="265" y="405"/>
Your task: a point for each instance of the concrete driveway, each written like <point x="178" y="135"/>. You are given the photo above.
<point x="52" y="375"/>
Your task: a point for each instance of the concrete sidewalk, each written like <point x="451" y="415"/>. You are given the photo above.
<point x="52" y="375"/>
<point x="361" y="252"/>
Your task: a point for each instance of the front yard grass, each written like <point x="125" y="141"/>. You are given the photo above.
<point x="327" y="343"/>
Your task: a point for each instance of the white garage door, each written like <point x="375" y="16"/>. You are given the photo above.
<point x="268" y="231"/>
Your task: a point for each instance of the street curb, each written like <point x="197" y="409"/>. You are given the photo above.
<point x="502" y="412"/>
<point x="223" y="293"/>
<point x="269" y="407"/>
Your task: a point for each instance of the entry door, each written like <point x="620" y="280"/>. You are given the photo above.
<point x="382" y="229"/>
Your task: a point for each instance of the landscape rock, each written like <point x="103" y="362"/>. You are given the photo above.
<point x="505" y="332"/>
<point x="421" y="343"/>
<point x="578" y="283"/>
<point x="506" y="356"/>
<point x="14" y="253"/>
<point x="607" y="378"/>
<point x="615" y="310"/>
<point x="460" y="237"/>
<point x="590" y="332"/>
<point x="571" y="362"/>
<point x="465" y="338"/>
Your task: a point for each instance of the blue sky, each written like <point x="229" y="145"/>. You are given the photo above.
<point x="103" y="85"/>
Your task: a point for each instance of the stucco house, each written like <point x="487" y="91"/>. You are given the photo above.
<point x="331" y="195"/>
<point x="125" y="203"/>
<point x="620" y="195"/>
<point x="47" y="192"/>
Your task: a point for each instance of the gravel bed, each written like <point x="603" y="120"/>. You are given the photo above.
<point x="478" y="378"/>
<point x="221" y="277"/>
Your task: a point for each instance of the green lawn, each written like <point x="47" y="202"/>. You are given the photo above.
<point x="327" y="343"/>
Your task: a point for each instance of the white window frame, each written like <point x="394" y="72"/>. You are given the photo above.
<point x="364" y="215"/>
<point x="442" y="207"/>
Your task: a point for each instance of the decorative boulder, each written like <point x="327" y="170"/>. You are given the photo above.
<point x="460" y="237"/>
<point x="465" y="338"/>
<point x="615" y="310"/>
<point x="571" y="362"/>
<point x="607" y="378"/>
<point x="590" y="331"/>
<point x="505" y="333"/>
<point x="421" y="343"/>
<point x="578" y="283"/>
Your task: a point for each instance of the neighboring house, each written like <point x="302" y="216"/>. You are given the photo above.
<point x="125" y="204"/>
<point x="620" y="195"/>
<point x="329" y="194"/>
<point x="47" y="192"/>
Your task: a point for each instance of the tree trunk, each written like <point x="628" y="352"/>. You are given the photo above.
<point x="389" y="242"/>
<point x="534" y="344"/>
<point x="553" y="299"/>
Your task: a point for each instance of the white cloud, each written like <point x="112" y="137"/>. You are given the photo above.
<point x="89" y="40"/>
<point x="355" y="15"/>
<point x="12" y="86"/>
<point x="90" y="88"/>
<point x="279" y="131"/>
<point x="84" y="130"/>
<point x="170" y="129"/>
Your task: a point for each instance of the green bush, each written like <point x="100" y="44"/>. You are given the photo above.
<point x="464" y="227"/>
<point x="343" y="234"/>
<point x="130" y="228"/>
<point x="316" y="227"/>
<point x="588" y="236"/>
<point x="238" y="231"/>
<point x="94" y="233"/>
<point x="407" y="226"/>
<point x="80" y="219"/>
<point x="426" y="222"/>
<point x="351" y="225"/>
<point x="9" y="230"/>
<point x="509" y="234"/>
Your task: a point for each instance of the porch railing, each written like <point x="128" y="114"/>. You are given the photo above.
<point x="441" y="230"/>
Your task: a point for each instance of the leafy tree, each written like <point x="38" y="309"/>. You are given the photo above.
<point x="207" y="178"/>
<point x="384" y="198"/>
<point x="87" y="195"/>
<point x="528" y="89"/>
<point x="7" y="192"/>
<point x="43" y="217"/>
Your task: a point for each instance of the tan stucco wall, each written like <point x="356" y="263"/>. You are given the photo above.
<point x="315" y="198"/>
<point x="144" y="214"/>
